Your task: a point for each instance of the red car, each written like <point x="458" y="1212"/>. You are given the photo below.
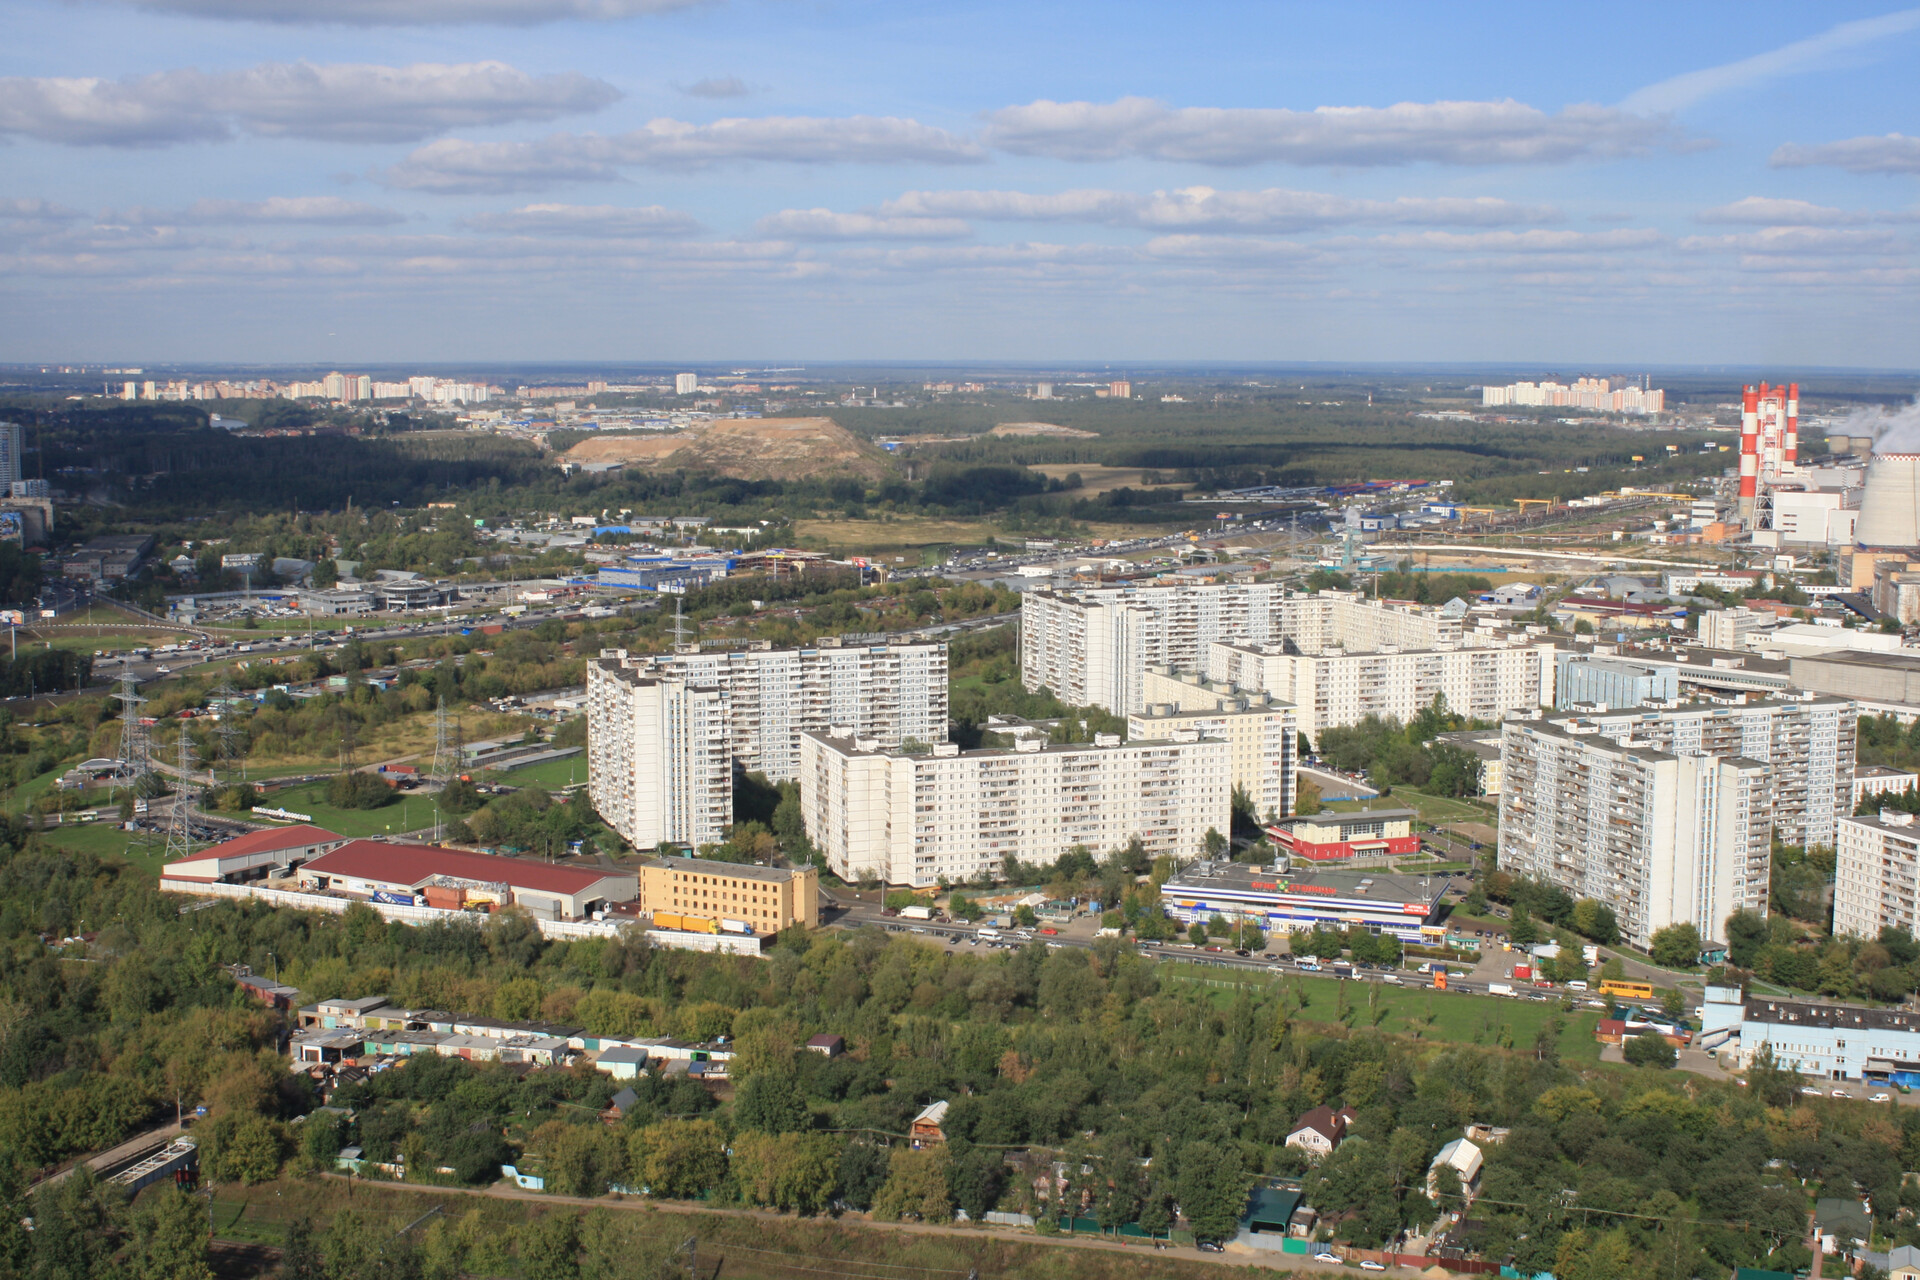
<point x="1050" y="931"/>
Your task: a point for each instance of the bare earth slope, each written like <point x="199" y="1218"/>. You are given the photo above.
<point x="746" y="449"/>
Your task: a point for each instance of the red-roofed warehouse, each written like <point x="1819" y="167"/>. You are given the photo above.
<point x="254" y="855"/>
<point x="450" y="877"/>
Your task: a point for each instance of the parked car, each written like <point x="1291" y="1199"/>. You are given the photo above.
<point x="1839" y="1093"/>
<point x="1368" y="1264"/>
<point x="1327" y="1255"/>
<point x="1810" y="1091"/>
<point x="1881" y="1097"/>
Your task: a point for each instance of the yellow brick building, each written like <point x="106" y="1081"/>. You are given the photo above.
<point x="766" y="899"/>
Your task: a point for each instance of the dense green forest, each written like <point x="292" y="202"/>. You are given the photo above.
<point x="1168" y="1092"/>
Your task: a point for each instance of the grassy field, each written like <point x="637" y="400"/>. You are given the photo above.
<point x="733" y="1245"/>
<point x="106" y="839"/>
<point x="553" y="775"/>
<point x="1096" y="479"/>
<point x="410" y="813"/>
<point x="1417" y="1012"/>
<point x="1437" y="810"/>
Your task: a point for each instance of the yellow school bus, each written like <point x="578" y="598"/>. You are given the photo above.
<point x="1628" y="990"/>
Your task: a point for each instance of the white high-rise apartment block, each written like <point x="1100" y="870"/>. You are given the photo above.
<point x="334" y="386"/>
<point x="762" y="699"/>
<point x="1808" y="742"/>
<point x="1091" y="647"/>
<point x="915" y="819"/>
<point x="1876" y="875"/>
<point x="658" y="767"/>
<point x="685" y="384"/>
<point x="1585" y="393"/>
<point x="1262" y="738"/>
<point x="1661" y="839"/>
<point x="893" y="693"/>
<point x="363" y="387"/>
<point x="10" y="445"/>
<point x="1342" y="687"/>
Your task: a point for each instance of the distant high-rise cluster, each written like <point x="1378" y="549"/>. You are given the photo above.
<point x="342" y="388"/>
<point x="1607" y="395"/>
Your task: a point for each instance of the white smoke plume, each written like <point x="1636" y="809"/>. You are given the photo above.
<point x="1893" y="430"/>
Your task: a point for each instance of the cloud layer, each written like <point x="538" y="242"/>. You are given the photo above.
<point x="274" y="211"/>
<point x="1890" y="153"/>
<point x="1204" y="208"/>
<point x="589" y="220"/>
<point x="414" y="12"/>
<point x="457" y="166"/>
<point x="333" y="103"/>
<point x="1456" y="133"/>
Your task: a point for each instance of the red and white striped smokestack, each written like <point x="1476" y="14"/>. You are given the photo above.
<point x="1749" y="453"/>
<point x="1793" y="422"/>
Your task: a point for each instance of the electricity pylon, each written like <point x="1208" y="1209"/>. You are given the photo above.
<point x="179" y="827"/>
<point x="133" y="763"/>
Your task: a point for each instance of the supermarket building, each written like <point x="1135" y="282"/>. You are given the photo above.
<point x="1408" y="907"/>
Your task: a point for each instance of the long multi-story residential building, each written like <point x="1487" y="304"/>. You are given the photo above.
<point x="666" y="731"/>
<point x="1808" y="742"/>
<point x="1344" y="686"/>
<point x="916" y="818"/>
<point x="1091" y="646"/>
<point x="1876" y="875"/>
<point x="1660" y="838"/>
<point x="1262" y="736"/>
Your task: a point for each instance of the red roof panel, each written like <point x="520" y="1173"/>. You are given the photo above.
<point x="410" y="864"/>
<point x="267" y="842"/>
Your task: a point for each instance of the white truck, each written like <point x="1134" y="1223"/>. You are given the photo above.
<point x="1499" y="989"/>
<point x="990" y="935"/>
<point x="916" y="913"/>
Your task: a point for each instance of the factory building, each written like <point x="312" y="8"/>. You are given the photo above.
<point x="1660" y="838"/>
<point x="692" y="893"/>
<point x="427" y="875"/>
<point x="665" y="732"/>
<point x="1277" y="901"/>
<point x="919" y="817"/>
<point x="1593" y="680"/>
<point x="1091" y="646"/>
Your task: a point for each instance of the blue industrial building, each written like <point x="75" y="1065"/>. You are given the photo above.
<point x="1612" y="682"/>
<point x="1814" y="1038"/>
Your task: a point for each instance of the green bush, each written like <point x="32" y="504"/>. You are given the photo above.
<point x="358" y="791"/>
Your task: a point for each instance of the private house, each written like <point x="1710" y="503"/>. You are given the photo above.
<point x="1320" y="1130"/>
<point x="1463" y="1157"/>
<point x="1903" y="1262"/>
<point x="925" y="1128"/>
<point x="830" y="1046"/>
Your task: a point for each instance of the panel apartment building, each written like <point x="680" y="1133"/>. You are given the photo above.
<point x="1091" y="646"/>
<point x="1808" y="742"/>
<point x="1343" y="686"/>
<point x="917" y="818"/>
<point x="1876" y="875"/>
<point x="1661" y="838"/>
<point x="666" y="731"/>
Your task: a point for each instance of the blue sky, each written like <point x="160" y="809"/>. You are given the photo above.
<point x="343" y="181"/>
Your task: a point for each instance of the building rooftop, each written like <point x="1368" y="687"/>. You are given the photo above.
<point x="1879" y="771"/>
<point x="264" y="842"/>
<point x="1825" y="1014"/>
<point x="1241" y="877"/>
<point x="412" y="864"/>
<point x="737" y="870"/>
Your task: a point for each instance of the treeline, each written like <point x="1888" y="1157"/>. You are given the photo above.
<point x="1392" y="754"/>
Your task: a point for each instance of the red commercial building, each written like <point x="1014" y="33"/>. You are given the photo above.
<point x="1333" y="837"/>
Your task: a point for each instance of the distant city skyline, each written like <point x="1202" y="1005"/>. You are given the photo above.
<point x="345" y="182"/>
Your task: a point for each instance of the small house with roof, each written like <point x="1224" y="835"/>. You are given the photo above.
<point x="925" y="1128"/>
<point x="1320" y="1130"/>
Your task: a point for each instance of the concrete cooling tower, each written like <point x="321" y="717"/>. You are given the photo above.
<point x="1890" y="508"/>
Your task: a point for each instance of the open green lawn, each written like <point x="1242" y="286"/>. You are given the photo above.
<point x="409" y="813"/>
<point x="1418" y="1012"/>
<point x="553" y="775"/>
<point x="1434" y="809"/>
<point x="107" y="839"/>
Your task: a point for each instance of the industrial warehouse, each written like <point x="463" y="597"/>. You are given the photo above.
<point x="690" y="902"/>
<point x="1407" y="907"/>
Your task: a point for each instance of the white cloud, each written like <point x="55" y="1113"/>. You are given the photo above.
<point x="1766" y="211"/>
<point x="415" y="12"/>
<point x="587" y="220"/>
<point x="1523" y="241"/>
<point x="454" y="165"/>
<point x="1816" y="52"/>
<point x="1472" y="133"/>
<point x="34" y="209"/>
<point x="336" y="103"/>
<point x="1798" y="240"/>
<point x="1202" y="208"/>
<point x="716" y="87"/>
<point x="1894" y="153"/>
<point x="825" y="224"/>
<point x="275" y="210"/>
